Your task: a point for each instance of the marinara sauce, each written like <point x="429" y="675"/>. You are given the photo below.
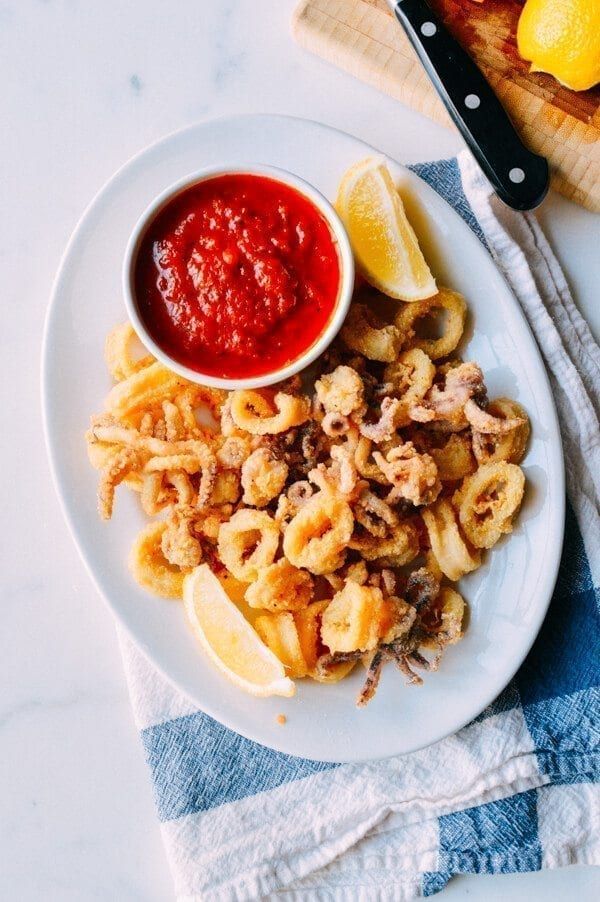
<point x="237" y="276"/>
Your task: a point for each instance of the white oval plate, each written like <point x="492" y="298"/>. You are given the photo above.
<point x="508" y="595"/>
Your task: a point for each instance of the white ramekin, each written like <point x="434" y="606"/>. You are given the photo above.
<point x="341" y="240"/>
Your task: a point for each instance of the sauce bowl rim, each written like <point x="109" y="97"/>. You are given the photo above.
<point x="345" y="290"/>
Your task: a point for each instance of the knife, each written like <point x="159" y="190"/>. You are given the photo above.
<point x="519" y="177"/>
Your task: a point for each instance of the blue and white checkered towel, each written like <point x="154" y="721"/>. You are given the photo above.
<point x="517" y="790"/>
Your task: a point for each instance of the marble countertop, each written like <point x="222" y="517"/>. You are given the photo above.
<point x="85" y="86"/>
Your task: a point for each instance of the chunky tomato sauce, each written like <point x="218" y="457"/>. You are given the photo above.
<point x="237" y="276"/>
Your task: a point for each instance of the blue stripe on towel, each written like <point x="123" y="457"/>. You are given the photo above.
<point x="444" y="178"/>
<point x="495" y="838"/>
<point x="565" y="657"/>
<point x="566" y="733"/>
<point x="190" y="760"/>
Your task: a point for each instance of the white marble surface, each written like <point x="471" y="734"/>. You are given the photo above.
<point x="84" y="86"/>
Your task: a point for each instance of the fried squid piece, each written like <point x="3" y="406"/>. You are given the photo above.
<point x="297" y="494"/>
<point x="227" y="488"/>
<point x="454" y="459"/>
<point x="247" y="543"/>
<point x="341" y="392"/>
<point x="443" y="621"/>
<point x="501" y="443"/>
<point x="451" y="552"/>
<point x="483" y="421"/>
<point x="150" y="567"/>
<point x="263" y="477"/>
<point x="261" y="413"/>
<point x="352" y="621"/>
<point x="174" y="425"/>
<point x="197" y="457"/>
<point x="488" y="500"/>
<point x="393" y="642"/>
<point x="399" y="547"/>
<point x="308" y="625"/>
<point x="118" y="467"/>
<point x="384" y="579"/>
<point x="279" y="632"/>
<point x="119" y="354"/>
<point x="317" y="537"/>
<point x="281" y="587"/>
<point x="364" y="333"/>
<point x="454" y="310"/>
<point x="150" y="386"/>
<point x="413" y="476"/>
<point x="411" y="376"/>
<point x="385" y="427"/>
<point x="179" y="542"/>
<point x="234" y="451"/>
<point x="341" y="476"/>
<point x="374" y="514"/>
<point x="446" y="402"/>
<point x="334" y="425"/>
<point x="422" y="588"/>
<point x="364" y="461"/>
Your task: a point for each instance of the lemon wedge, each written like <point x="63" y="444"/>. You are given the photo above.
<point x="385" y="246"/>
<point x="562" y="37"/>
<point x="229" y="640"/>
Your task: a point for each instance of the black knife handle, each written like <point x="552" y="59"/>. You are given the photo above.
<point x="519" y="177"/>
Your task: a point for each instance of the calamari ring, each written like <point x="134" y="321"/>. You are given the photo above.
<point x="509" y="446"/>
<point x="443" y="620"/>
<point x="362" y="332"/>
<point x="247" y="543"/>
<point x="317" y="537"/>
<point x="281" y="587"/>
<point x="396" y="550"/>
<point x="200" y="408"/>
<point x="452" y="612"/>
<point x="117" y="353"/>
<point x="256" y="413"/>
<point x="149" y="566"/>
<point x="449" y="548"/>
<point x="454" y="459"/>
<point x="150" y="386"/>
<point x="456" y="313"/>
<point x="411" y="376"/>
<point x="335" y="424"/>
<point x="488" y="500"/>
<point x="352" y="620"/>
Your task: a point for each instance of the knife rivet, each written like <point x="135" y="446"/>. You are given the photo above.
<point x="472" y="101"/>
<point x="516" y="175"/>
<point x="428" y="29"/>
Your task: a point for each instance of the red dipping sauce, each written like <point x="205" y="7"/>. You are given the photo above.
<point x="237" y="276"/>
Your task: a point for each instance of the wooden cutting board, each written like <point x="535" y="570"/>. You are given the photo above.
<point x="362" y="37"/>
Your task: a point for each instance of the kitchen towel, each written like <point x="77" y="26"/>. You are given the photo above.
<point x="516" y="790"/>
